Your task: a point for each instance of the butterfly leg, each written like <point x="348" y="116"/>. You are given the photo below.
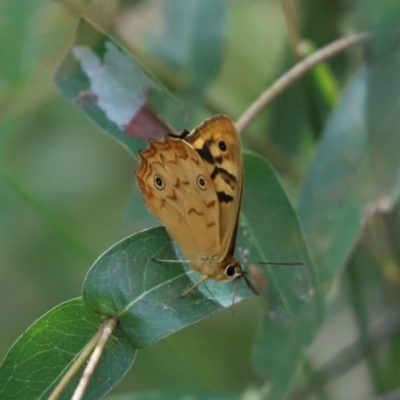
<point x="204" y="278"/>
<point x="169" y="261"/>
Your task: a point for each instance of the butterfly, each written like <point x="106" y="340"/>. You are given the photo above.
<point x="193" y="183"/>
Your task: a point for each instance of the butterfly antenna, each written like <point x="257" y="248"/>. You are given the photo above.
<point x="273" y="263"/>
<point x="180" y="135"/>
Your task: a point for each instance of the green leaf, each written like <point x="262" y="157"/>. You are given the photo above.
<point x="192" y="44"/>
<point x="355" y="171"/>
<point x="113" y="89"/>
<point x="271" y="232"/>
<point x="193" y="38"/>
<point x="294" y="313"/>
<point x="42" y="355"/>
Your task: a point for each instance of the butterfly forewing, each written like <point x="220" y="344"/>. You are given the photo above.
<point x="217" y="142"/>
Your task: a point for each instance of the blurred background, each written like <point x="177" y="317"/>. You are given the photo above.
<point x="67" y="190"/>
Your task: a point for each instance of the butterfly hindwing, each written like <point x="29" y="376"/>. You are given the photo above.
<point x="178" y="189"/>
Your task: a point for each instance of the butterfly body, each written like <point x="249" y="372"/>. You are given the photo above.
<point x="194" y="185"/>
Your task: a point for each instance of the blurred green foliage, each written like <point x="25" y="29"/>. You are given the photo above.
<point x="67" y="190"/>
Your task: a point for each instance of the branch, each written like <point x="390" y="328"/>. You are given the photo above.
<point x="106" y="332"/>
<point x="384" y="329"/>
<point x="297" y="71"/>
<point x="394" y="395"/>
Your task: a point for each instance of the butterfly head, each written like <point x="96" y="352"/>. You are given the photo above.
<point x="234" y="271"/>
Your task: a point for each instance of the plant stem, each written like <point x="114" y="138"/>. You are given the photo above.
<point x="297" y="71"/>
<point x="105" y="333"/>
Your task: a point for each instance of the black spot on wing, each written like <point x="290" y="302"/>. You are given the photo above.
<point x="205" y="154"/>
<point x="222" y="145"/>
<point x="224" y="198"/>
<point x="219" y="159"/>
<point x="224" y="174"/>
